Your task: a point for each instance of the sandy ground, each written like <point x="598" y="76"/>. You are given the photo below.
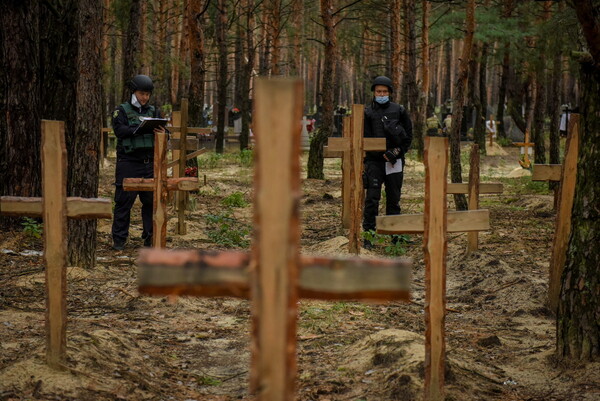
<point x="122" y="346"/>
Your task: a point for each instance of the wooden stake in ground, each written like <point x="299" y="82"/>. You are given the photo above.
<point x="435" y="223"/>
<point x="274" y="275"/>
<point x="54" y="207"/>
<point x="160" y="184"/>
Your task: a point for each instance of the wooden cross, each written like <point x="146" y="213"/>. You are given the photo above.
<point x="274" y="275"/>
<point x="566" y="174"/>
<point x="180" y="157"/>
<point x="435" y="223"/>
<point x="525" y="146"/>
<point x="55" y="207"/>
<point x="351" y="147"/>
<point x="160" y="184"/>
<point x="474" y="188"/>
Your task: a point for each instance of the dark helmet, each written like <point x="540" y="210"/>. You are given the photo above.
<point x="383" y="80"/>
<point x="141" y="83"/>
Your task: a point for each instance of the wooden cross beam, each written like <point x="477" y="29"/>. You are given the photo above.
<point x="351" y="147"/>
<point x="525" y="163"/>
<point x="54" y="207"/>
<point x="160" y="184"/>
<point x="274" y="275"/>
<point x="566" y="174"/>
<point x="473" y="188"/>
<point x="435" y="223"/>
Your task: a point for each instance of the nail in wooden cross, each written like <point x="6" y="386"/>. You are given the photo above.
<point x="474" y="188"/>
<point x="352" y="146"/>
<point x="435" y="223"/>
<point x="55" y="207"/>
<point x="274" y="275"/>
<point x="566" y="174"/>
<point x="160" y="184"/>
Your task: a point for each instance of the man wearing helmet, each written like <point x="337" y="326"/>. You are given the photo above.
<point x="135" y="154"/>
<point x="389" y="120"/>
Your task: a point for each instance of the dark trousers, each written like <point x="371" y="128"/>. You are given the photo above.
<point x="124" y="200"/>
<point x="373" y="178"/>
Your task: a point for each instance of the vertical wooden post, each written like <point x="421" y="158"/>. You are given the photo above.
<point x="159" y="223"/>
<point x="356" y="179"/>
<point x="563" y="215"/>
<point x="473" y="236"/>
<point x="54" y="195"/>
<point x="346" y="182"/>
<point x="435" y="250"/>
<point x="182" y="195"/>
<point x="277" y="239"/>
<point x="175" y="153"/>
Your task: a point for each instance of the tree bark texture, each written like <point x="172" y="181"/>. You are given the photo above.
<point x="83" y="161"/>
<point x="479" y="134"/>
<point x="459" y="101"/>
<point x="197" y="60"/>
<point x="578" y="318"/>
<point x="20" y="159"/>
<point x="419" y="131"/>
<point x="315" y="155"/>
<point x="502" y="91"/>
<point x="247" y="74"/>
<point x="221" y="27"/>
<point x="131" y="46"/>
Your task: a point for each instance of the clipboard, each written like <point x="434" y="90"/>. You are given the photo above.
<point x="149" y="124"/>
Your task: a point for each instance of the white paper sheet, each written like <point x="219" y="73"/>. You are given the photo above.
<point x="396" y="168"/>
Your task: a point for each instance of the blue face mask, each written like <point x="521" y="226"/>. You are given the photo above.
<point x="382" y="99"/>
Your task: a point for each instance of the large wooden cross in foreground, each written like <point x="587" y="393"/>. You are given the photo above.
<point x="435" y="223"/>
<point x="160" y="184"/>
<point x="274" y="275"/>
<point x="566" y="174"/>
<point x="55" y="207"/>
<point x="352" y="147"/>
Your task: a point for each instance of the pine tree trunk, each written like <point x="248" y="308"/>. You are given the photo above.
<point x="221" y="28"/>
<point x="83" y="160"/>
<point x="20" y="160"/>
<point x="131" y="46"/>
<point x="247" y="74"/>
<point x="315" y="155"/>
<point x="396" y="44"/>
<point x="197" y="68"/>
<point x="578" y="326"/>
<point x="459" y="101"/>
<point x="502" y="91"/>
<point x="479" y="131"/>
<point x="410" y="73"/>
<point x="419" y="130"/>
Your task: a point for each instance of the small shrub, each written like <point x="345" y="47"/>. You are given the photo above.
<point x="32" y="228"/>
<point x="246" y="158"/>
<point x="397" y="246"/>
<point x="211" y="161"/>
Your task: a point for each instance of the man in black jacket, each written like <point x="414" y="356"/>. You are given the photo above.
<point x="135" y="159"/>
<point x="389" y="120"/>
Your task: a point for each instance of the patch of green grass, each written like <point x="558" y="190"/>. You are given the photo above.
<point x="236" y="199"/>
<point x="227" y="231"/>
<point x="396" y="243"/>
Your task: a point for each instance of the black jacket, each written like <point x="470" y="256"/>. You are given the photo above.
<point x="397" y="129"/>
<point x="123" y="130"/>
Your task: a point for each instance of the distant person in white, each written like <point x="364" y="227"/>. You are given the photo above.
<point x="490" y="127"/>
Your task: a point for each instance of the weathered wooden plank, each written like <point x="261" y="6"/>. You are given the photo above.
<point x="276" y="246"/>
<point x="458" y="221"/>
<point x="327" y="153"/>
<point x="190" y="156"/>
<point x="546" y="172"/>
<point x="435" y="249"/>
<point x="346" y="179"/>
<point x="173" y="184"/>
<point x="210" y="273"/>
<point x="563" y="216"/>
<point x="356" y="179"/>
<point x="159" y="222"/>
<point x="82" y="208"/>
<point x="190" y="130"/>
<point x="474" y="185"/>
<point x="484" y="188"/>
<point x="54" y="191"/>
<point x="342" y="144"/>
<point x="191" y="143"/>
